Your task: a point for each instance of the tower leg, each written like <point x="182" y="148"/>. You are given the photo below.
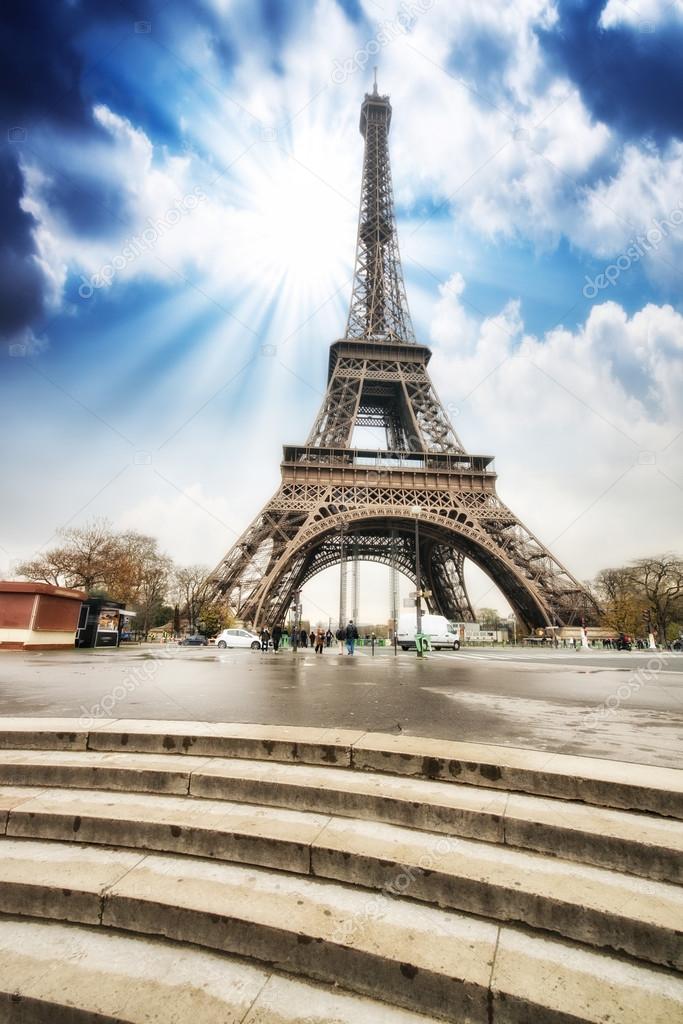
<point x="447" y="579"/>
<point x="393" y="584"/>
<point x="342" y="583"/>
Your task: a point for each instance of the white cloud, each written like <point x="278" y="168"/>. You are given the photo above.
<point x="450" y="318"/>
<point x="152" y="184"/>
<point x="645" y="195"/>
<point x="582" y="423"/>
<point x="645" y="15"/>
<point x="189" y="526"/>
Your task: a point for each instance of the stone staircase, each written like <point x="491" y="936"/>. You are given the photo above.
<point x="184" y="871"/>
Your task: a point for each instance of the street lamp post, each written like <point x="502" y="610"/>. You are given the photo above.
<point x="394" y="591"/>
<point x="418" y="577"/>
<point x="418" y="582"/>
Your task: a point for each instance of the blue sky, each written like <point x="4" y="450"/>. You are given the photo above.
<point x="179" y="204"/>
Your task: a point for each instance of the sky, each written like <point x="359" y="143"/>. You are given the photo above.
<point x="180" y="183"/>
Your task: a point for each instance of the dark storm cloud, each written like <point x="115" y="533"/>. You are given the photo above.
<point x="630" y="76"/>
<point x="39" y="71"/>
<point x="41" y="87"/>
<point x="39" y="82"/>
<point x="21" y="280"/>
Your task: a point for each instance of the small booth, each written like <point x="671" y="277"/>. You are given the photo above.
<point x="38" y="616"/>
<point x="103" y="623"/>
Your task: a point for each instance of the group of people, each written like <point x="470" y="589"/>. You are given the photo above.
<point x="276" y="636"/>
<point x="317" y="638"/>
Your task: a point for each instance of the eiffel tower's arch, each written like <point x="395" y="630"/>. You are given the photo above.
<point x="378" y="378"/>
<point x="549" y="595"/>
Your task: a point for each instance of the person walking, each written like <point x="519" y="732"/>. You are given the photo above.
<point x="351" y="637"/>
<point x="277" y="636"/>
<point x="265" y="637"/>
<point x="312" y="638"/>
<point x="341" y="637"/>
<point x="319" y="640"/>
<point x="328" y="637"/>
<point x="303" y="638"/>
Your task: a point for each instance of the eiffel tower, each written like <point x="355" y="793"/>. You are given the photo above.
<point x="336" y="502"/>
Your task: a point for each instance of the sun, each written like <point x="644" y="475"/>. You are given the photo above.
<point x="298" y="220"/>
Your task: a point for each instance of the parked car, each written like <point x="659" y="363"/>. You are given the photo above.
<point x="194" y="641"/>
<point x="238" y="638"/>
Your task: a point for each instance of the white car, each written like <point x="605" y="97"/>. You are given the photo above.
<point x="238" y="638"/>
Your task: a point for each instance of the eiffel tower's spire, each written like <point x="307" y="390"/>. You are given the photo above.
<point x="379" y="308"/>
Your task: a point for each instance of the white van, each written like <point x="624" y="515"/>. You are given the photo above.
<point x="436" y="627"/>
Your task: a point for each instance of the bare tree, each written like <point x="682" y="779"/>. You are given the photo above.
<point x="194" y="592"/>
<point x="660" y="580"/>
<point x="85" y="558"/>
<point x="145" y="574"/>
<point x="127" y="567"/>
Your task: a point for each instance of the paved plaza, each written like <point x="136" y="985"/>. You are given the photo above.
<point x="622" y="706"/>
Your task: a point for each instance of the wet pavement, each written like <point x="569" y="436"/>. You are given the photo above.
<point x="606" y="704"/>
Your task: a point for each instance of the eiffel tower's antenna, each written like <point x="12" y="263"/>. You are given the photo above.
<point x="379" y="307"/>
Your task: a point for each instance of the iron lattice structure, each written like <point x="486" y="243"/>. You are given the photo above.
<point x="379" y="307"/>
<point x="335" y="500"/>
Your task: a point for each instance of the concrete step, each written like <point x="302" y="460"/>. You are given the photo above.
<point x="54" y="973"/>
<point x="607" y="909"/>
<point x="208" y="739"/>
<point x="591" y="780"/>
<point x="599" y="781"/>
<point x="142" y="773"/>
<point x="647" y="845"/>
<point x="425" y="959"/>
